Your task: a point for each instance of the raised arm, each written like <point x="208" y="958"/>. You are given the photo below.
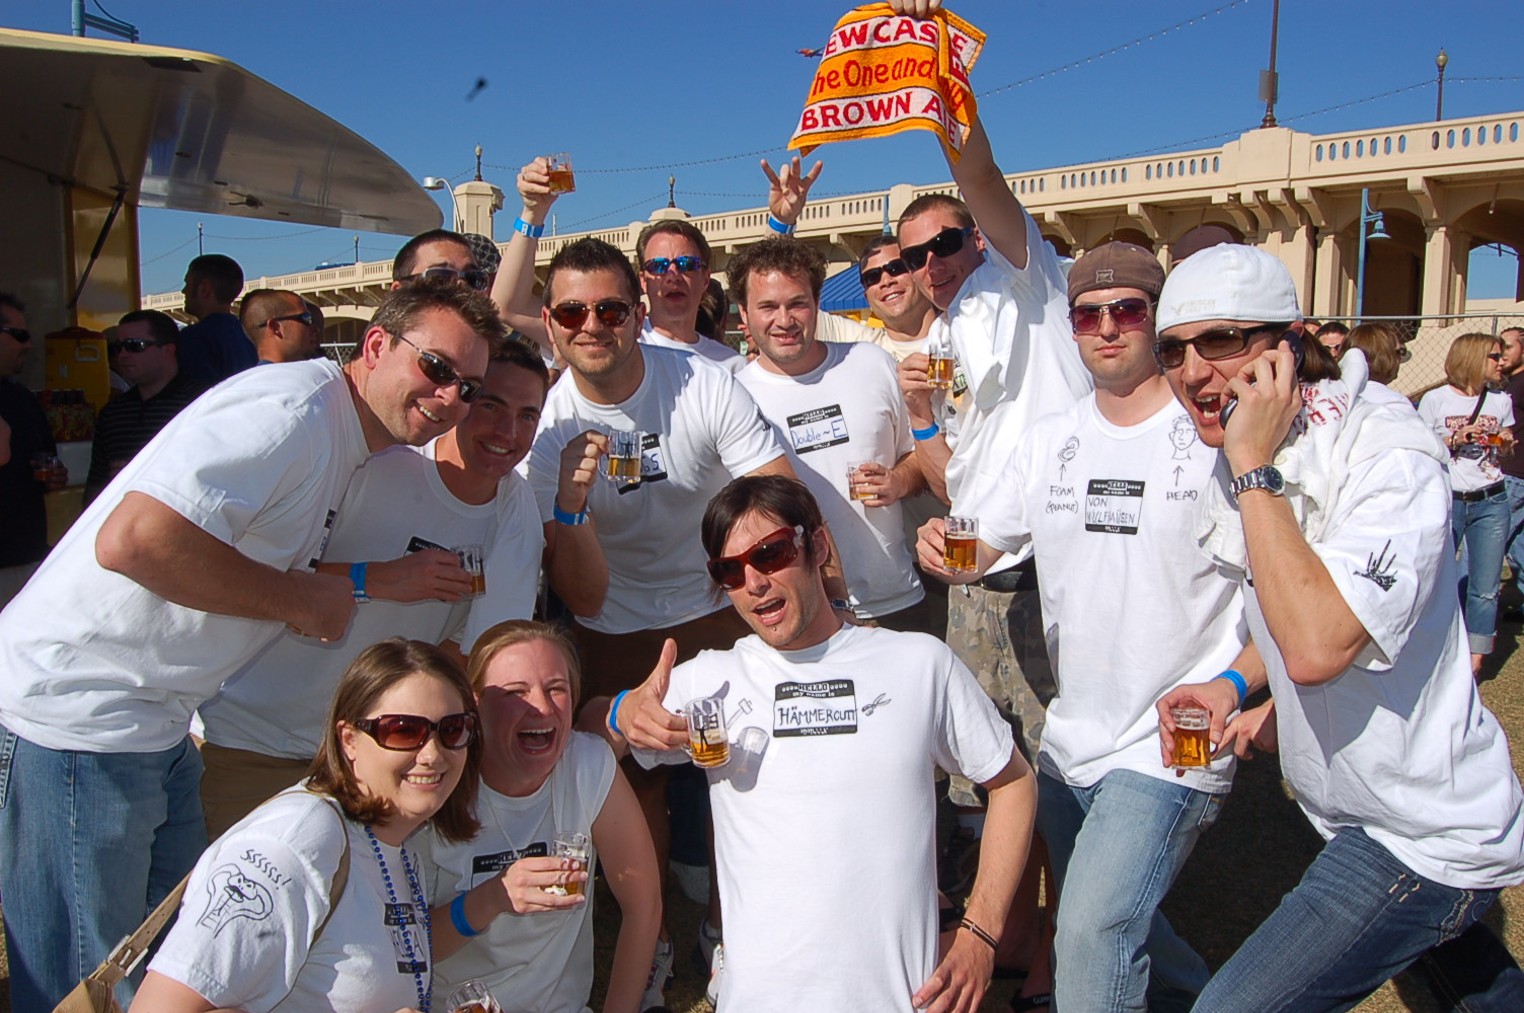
<point x="513" y="292"/>
<point x="789" y="188"/>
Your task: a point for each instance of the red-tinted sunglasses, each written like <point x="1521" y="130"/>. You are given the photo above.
<point x="1123" y="312"/>
<point x="410" y="731"/>
<point x="572" y="314"/>
<point x="768" y="555"/>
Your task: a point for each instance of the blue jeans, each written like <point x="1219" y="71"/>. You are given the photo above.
<point x="1124" y="839"/>
<point x="89" y="844"/>
<point x="1358" y="917"/>
<point x="1483" y="529"/>
<point x="1515" y="545"/>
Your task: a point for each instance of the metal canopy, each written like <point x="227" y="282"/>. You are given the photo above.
<point x="171" y="128"/>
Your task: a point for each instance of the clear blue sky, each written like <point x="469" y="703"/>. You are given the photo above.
<point x="641" y="87"/>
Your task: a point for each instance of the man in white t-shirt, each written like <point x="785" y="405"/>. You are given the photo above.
<point x="894" y="298"/>
<point x="1103" y="493"/>
<point x="404" y="515"/>
<point x="837" y="408"/>
<point x="1334" y="512"/>
<point x="626" y="558"/>
<point x="674" y="269"/>
<point x="199" y="554"/>
<point x="828" y="904"/>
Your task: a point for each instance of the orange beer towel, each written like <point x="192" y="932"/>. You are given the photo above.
<point x="880" y="74"/>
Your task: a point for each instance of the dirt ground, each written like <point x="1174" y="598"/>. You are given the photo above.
<point x="1258" y="850"/>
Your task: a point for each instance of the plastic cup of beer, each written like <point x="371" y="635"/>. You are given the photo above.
<point x="43" y="464"/>
<point x="471" y="561"/>
<point x="940" y="363"/>
<point x="1193" y="726"/>
<point x="708" y="738"/>
<point x="624" y="456"/>
<point x="857" y="488"/>
<point x="472" y="997"/>
<point x="960" y="544"/>
<point x="560" y="170"/>
<point x="576" y="846"/>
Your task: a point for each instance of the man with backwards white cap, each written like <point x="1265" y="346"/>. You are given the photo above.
<point x="1334" y="512"/>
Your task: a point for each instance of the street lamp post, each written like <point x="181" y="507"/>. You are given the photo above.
<point x="1377" y="230"/>
<point x="440" y="183"/>
<point x="1440" y="61"/>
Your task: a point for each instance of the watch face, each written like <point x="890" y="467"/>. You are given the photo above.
<point x="1274" y="481"/>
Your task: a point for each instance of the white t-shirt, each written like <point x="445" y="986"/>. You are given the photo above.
<point x="276" y="704"/>
<point x="827" y="868"/>
<point x="714" y="351"/>
<point x="847" y="409"/>
<point x="702" y="429"/>
<point x="94" y="661"/>
<point x="542" y="962"/>
<point x="1400" y="744"/>
<point x="244" y="935"/>
<point x="1446" y="410"/>
<point x="1131" y="607"/>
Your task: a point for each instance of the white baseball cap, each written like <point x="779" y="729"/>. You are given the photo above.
<point x="1228" y="282"/>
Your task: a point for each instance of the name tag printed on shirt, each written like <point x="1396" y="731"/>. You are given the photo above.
<point x="653" y="463"/>
<point x="484" y="867"/>
<point x="409" y="942"/>
<point x="1113" y="505"/>
<point x="815" y="708"/>
<point x="817" y="429"/>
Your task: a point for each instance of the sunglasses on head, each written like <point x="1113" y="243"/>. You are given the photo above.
<point x="572" y="314"/>
<point x="131" y="345"/>
<point x="893" y="268"/>
<point x="944" y="244"/>
<point x="305" y="317"/>
<point x="472" y="276"/>
<point x="1123" y="312"/>
<point x="410" y="731"/>
<point x="21" y="334"/>
<point x="442" y="374"/>
<point x="1219" y="343"/>
<point x="661" y="265"/>
<point x="768" y="555"/>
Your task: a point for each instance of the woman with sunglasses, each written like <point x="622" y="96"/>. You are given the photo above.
<point x="264" y="926"/>
<point x="541" y="780"/>
<point x="1475" y="424"/>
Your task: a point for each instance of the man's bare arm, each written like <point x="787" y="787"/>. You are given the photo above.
<point x="513" y="291"/>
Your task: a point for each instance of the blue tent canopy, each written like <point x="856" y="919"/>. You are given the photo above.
<point x="842" y="292"/>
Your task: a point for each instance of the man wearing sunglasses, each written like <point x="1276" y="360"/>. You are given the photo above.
<point x="146" y="351"/>
<point x="396" y="532"/>
<point x="823" y="814"/>
<point x="24" y="432"/>
<point x="438" y="254"/>
<point x="1333" y="513"/>
<point x="674" y="270"/>
<point x="894" y="298"/>
<point x="215" y="346"/>
<point x="1101" y="493"/>
<point x="281" y="325"/>
<point x="199" y="554"/>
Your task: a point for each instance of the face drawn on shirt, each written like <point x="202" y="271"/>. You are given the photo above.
<point x="235" y="891"/>
<point x="1182" y="436"/>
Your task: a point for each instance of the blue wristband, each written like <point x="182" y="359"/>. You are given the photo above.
<point x="523" y="228"/>
<point x="458" y="917"/>
<point x="614" y="711"/>
<point x="778" y="226"/>
<point x="927" y="433"/>
<point x="1238" y="681"/>
<point x="571" y="520"/>
<point x="357" y="577"/>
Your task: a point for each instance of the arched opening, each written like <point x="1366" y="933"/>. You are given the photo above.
<point x="1495" y="236"/>
<point x="1393" y="266"/>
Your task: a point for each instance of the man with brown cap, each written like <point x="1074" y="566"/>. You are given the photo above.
<point x="1105" y="493"/>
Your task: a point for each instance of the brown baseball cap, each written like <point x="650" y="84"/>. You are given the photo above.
<point x="1116" y="265"/>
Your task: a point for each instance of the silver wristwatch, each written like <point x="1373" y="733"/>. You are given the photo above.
<point x="1266" y="477"/>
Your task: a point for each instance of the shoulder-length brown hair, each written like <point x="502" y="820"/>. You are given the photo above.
<point x="1382" y="348"/>
<point x="1466" y="362"/>
<point x="374" y="671"/>
<point x="522" y="631"/>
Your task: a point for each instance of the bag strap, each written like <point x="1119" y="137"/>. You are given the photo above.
<point x="1477" y="411"/>
<point x="340" y="877"/>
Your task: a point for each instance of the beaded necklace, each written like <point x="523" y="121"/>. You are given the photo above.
<point x="425" y="994"/>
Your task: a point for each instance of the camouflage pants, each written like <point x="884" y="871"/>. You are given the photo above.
<point x="999" y="636"/>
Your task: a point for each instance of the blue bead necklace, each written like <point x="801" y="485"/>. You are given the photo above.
<point x="425" y="993"/>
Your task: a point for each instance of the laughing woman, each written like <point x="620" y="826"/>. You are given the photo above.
<point x="502" y="915"/>
<point x="315" y="901"/>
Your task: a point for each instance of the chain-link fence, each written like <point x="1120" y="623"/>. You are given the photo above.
<point x="1428" y="340"/>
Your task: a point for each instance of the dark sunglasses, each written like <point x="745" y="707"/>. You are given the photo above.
<point x="410" y="731"/>
<point x="661" y="265"/>
<point x="1221" y="343"/>
<point x="21" y="334"/>
<point x="572" y="315"/>
<point x="475" y="277"/>
<point x="131" y="345"/>
<point x="944" y="244"/>
<point x="305" y="317"/>
<point x="893" y="268"/>
<point x="768" y="555"/>
<point x="442" y="374"/>
<point x="1123" y="312"/>
<point x="1495" y="356"/>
